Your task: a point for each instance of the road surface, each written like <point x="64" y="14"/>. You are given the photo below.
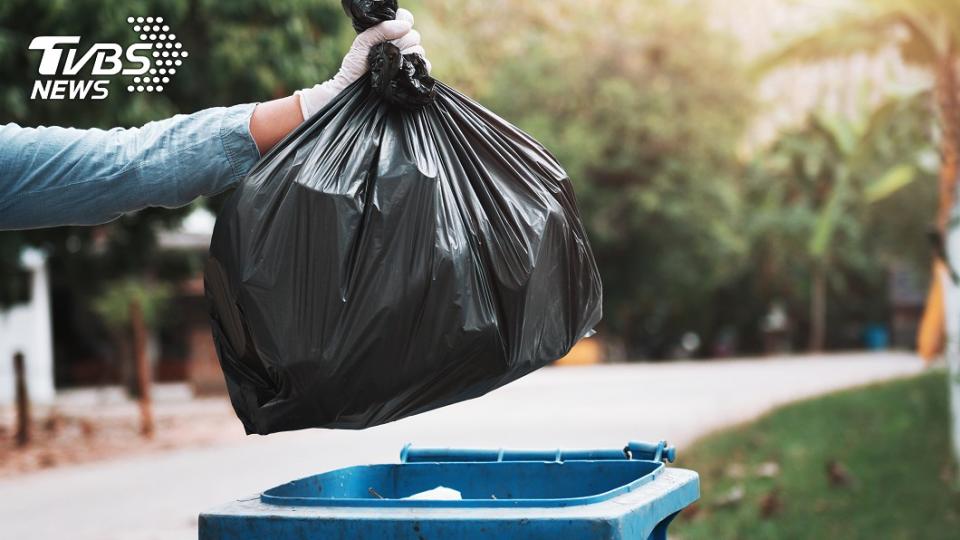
<point x="159" y="496"/>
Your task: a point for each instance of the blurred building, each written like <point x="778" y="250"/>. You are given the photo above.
<point x="907" y="299"/>
<point x="187" y="351"/>
<point x="180" y="350"/>
<point x="26" y="329"/>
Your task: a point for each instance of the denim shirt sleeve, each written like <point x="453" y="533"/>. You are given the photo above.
<point x="51" y="176"/>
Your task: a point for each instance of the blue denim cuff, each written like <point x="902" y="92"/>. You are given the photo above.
<point x="238" y="143"/>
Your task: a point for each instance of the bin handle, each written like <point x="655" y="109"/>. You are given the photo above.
<point x="660" y="451"/>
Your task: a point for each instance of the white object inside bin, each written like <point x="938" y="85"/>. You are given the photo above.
<point x="439" y="493"/>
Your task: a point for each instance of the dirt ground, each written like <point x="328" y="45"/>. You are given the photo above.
<point x="93" y="425"/>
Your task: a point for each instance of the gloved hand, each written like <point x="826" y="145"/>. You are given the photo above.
<point x="400" y="32"/>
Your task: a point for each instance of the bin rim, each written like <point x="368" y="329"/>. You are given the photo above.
<point x="657" y="468"/>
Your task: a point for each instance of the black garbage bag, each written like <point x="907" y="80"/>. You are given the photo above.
<point x="403" y="250"/>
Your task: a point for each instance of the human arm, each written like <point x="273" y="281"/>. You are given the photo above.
<point x="51" y="176"/>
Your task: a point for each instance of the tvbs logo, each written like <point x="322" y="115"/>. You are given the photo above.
<point x="150" y="63"/>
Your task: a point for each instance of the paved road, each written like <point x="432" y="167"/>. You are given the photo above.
<point x="159" y="496"/>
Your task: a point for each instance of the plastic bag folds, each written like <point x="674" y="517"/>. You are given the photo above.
<point x="388" y="259"/>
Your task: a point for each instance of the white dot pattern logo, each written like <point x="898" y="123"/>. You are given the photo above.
<point x="167" y="52"/>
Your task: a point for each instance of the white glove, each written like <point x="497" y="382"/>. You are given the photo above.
<point x="400" y="32"/>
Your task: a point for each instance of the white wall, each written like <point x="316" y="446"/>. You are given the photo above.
<point x="27" y="328"/>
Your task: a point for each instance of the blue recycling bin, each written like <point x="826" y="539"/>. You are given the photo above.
<point x="626" y="493"/>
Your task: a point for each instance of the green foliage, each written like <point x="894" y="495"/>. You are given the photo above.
<point x="890" y="443"/>
<point x="830" y="196"/>
<point x="114" y="305"/>
<point x="240" y="51"/>
<point x="925" y="32"/>
<point x="896" y="179"/>
<point x="644" y="106"/>
<point x="14" y="288"/>
<point x="643" y="103"/>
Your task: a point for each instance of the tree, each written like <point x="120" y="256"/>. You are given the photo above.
<point x="132" y="310"/>
<point x="240" y="51"/>
<point x="113" y="306"/>
<point x="927" y="35"/>
<point x="643" y="105"/>
<point x="820" y="224"/>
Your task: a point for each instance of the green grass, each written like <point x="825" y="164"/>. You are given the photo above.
<point x="891" y="439"/>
